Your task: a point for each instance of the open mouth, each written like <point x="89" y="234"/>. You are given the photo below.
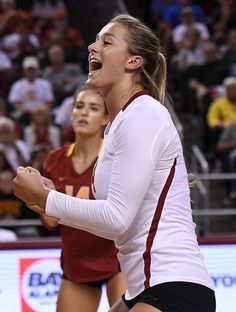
<point x="95" y="65"/>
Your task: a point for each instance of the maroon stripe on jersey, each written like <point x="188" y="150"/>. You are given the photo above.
<point x="154" y="226"/>
<point x="92" y="179"/>
<point x="134" y="97"/>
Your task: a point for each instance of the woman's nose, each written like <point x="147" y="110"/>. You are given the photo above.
<point x="92" y="47"/>
<point x="85" y="111"/>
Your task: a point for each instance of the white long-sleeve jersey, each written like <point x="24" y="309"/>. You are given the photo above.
<point x="143" y="200"/>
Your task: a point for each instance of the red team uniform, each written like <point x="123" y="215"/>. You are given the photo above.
<point x="85" y="257"/>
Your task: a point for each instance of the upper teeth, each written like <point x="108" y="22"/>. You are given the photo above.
<point x="94" y="61"/>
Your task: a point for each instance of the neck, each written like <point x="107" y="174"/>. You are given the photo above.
<point x="117" y="98"/>
<point x="87" y="146"/>
<point x="85" y="152"/>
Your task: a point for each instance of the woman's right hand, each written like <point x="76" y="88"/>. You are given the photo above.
<point x="32" y="188"/>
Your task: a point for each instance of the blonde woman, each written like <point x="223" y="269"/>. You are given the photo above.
<point x="140" y="182"/>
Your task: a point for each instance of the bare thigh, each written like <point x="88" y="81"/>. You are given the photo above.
<point x="75" y="297"/>
<point x="115" y="288"/>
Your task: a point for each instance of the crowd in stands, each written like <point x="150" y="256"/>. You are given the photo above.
<point x="43" y="60"/>
<point x="199" y="39"/>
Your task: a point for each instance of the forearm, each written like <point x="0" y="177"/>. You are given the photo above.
<point x="99" y="217"/>
<point x="112" y="216"/>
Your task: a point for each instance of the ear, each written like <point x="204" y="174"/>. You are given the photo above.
<point x="134" y="62"/>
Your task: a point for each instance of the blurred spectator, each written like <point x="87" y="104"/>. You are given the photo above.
<point x="30" y="91"/>
<point x="38" y="155"/>
<point x="16" y="151"/>
<point x="13" y="208"/>
<point x="63" y="119"/>
<point x="206" y="79"/>
<point x="230" y="53"/>
<point x="7" y="6"/>
<point x="189" y="55"/>
<point x="226" y="146"/>
<point x="45" y="9"/>
<point x="9" y="16"/>
<point x="222" y="20"/>
<point x="4" y="112"/>
<point x="205" y="85"/>
<point x="63" y="112"/>
<point x="188" y="20"/>
<point x="171" y="18"/>
<point x="41" y="131"/>
<point x="6" y="73"/>
<point x="21" y="42"/>
<point x="159" y="7"/>
<point x="172" y="14"/>
<point x="157" y="12"/>
<point x="64" y="77"/>
<point x="5" y="62"/>
<point x="13" y="153"/>
<point x="70" y="38"/>
<point x="3" y="107"/>
<point x="4" y="164"/>
<point x="42" y="12"/>
<point x="10" y="206"/>
<point x="6" y="177"/>
<point x="222" y="112"/>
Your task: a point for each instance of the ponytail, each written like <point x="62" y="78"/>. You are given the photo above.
<point x="155" y="84"/>
<point x="160" y="77"/>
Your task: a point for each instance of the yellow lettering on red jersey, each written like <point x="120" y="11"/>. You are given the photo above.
<point x="83" y="191"/>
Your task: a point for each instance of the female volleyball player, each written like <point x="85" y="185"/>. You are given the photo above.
<point x="140" y="182"/>
<point x="87" y="261"/>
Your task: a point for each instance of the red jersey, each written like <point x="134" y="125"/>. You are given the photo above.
<point x="85" y="257"/>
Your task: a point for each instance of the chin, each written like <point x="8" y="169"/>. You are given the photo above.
<point x="89" y="84"/>
<point x="93" y="85"/>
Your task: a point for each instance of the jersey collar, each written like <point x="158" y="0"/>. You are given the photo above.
<point x="137" y="94"/>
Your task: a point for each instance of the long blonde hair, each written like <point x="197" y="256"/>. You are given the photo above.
<point x="142" y="41"/>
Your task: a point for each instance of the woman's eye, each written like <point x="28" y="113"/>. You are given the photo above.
<point x="106" y="42"/>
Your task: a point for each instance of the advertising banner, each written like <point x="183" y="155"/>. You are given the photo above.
<point x="30" y="278"/>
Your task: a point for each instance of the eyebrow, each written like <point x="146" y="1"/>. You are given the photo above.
<point x="90" y="103"/>
<point x="104" y="35"/>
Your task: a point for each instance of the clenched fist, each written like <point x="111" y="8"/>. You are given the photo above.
<point x="32" y="188"/>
